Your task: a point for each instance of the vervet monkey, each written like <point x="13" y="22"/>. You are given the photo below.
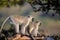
<point x="19" y="20"/>
<point x="33" y="28"/>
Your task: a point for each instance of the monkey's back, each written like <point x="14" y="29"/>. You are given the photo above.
<point x="19" y="19"/>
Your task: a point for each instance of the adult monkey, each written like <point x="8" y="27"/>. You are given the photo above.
<point x="19" y="20"/>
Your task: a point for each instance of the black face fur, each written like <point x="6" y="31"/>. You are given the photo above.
<point x="40" y="24"/>
<point x="37" y="21"/>
<point x="32" y="19"/>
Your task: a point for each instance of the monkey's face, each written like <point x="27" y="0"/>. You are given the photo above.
<point x="31" y="18"/>
<point x="38" y="23"/>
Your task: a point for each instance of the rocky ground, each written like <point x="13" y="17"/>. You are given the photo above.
<point x="18" y="37"/>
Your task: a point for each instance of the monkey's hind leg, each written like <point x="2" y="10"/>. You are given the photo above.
<point x="23" y="30"/>
<point x="17" y="28"/>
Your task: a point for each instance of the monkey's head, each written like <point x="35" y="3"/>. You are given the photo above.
<point x="31" y="18"/>
<point x="38" y="23"/>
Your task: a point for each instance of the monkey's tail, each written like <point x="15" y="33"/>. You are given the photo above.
<point x="3" y="23"/>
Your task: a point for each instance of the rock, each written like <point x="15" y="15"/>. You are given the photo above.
<point x="18" y="37"/>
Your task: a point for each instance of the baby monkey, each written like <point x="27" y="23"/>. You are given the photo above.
<point x="33" y="28"/>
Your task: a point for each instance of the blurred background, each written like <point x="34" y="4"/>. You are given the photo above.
<point x="47" y="11"/>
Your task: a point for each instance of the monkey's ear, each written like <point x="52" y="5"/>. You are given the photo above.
<point x="28" y="16"/>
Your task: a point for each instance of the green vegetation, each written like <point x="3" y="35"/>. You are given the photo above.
<point x="8" y="3"/>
